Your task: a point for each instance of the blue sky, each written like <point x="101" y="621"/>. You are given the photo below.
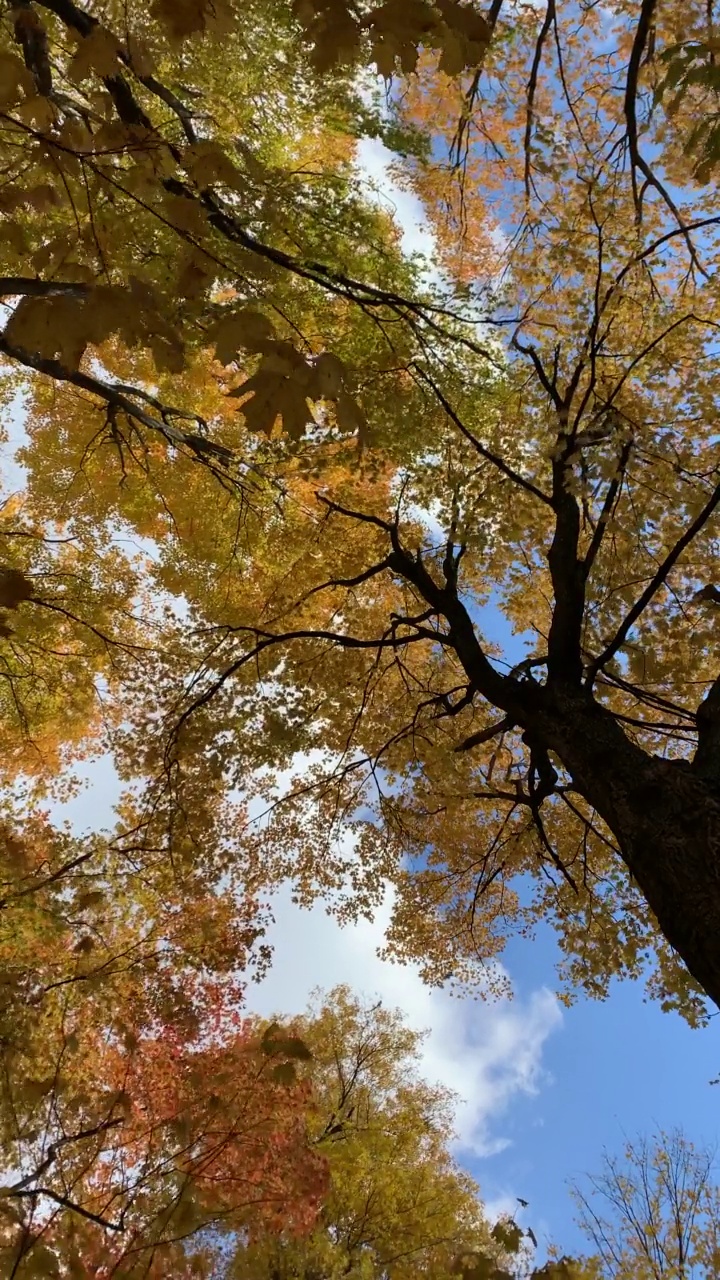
<point x="612" y="1070"/>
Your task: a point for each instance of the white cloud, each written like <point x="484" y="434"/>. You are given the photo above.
<point x="373" y="160"/>
<point x="504" y="1205"/>
<point x="374" y="164"/>
<point x="486" y="1052"/>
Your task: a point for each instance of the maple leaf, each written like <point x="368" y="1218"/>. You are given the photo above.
<point x="246" y="328"/>
<point x="97" y="53"/>
<point x="206" y="162"/>
<point x="51" y="328"/>
<point x="183" y="18"/>
<point x="14" y="588"/>
<point x="279" y="389"/>
<point x="508" y="1234"/>
<point x="16" y="81"/>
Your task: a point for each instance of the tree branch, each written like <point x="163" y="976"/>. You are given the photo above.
<point x="656" y="582"/>
<point x="484" y="452"/>
<point x="607" y="509"/>
<point x="484" y="735"/>
<point x="637" y="161"/>
<point x="118" y="400"/>
<point x="12" y="286"/>
<point x="532" y="86"/>
<point x="67" y="1204"/>
<point x="18" y="1188"/>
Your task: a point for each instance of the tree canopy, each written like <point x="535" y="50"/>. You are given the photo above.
<point x="138" y="1108"/>
<point x="398" y="1204"/>
<point x="654" y="1213"/>
<point x="364" y="571"/>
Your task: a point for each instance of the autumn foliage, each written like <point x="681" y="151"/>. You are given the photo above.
<point x="344" y="568"/>
<point x="138" y="1107"/>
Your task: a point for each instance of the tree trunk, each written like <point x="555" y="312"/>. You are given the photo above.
<point x="664" y="816"/>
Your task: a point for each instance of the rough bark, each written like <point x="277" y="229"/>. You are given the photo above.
<point x="665" y="817"/>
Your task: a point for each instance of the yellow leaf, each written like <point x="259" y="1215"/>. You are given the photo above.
<point x="75" y="135"/>
<point x="51" y="254"/>
<point x="37" y="111"/>
<point x="188" y="1214"/>
<point x="207" y="163"/>
<point x="328" y="376"/>
<point x="196" y="273"/>
<point x="123" y="1100"/>
<point x="335" y="36"/>
<point x="14" y="588"/>
<point x="220" y="17"/>
<point x="274" y="395"/>
<point x="51" y="328"/>
<point x="246" y="328"/>
<point x="185" y="214"/>
<point x="168" y="353"/>
<point x="183" y="18"/>
<point x="33" y="1091"/>
<point x="349" y="415"/>
<point x="466" y="21"/>
<point x="13" y="235"/>
<point x="283" y="358"/>
<point x="15" y="80"/>
<point x="453" y="58"/>
<point x="140" y="56"/>
<point x="44" y="1261"/>
<point x="508" y="1235"/>
<point x="384" y="54"/>
<point x="473" y="1265"/>
<point x="43" y="197"/>
<point x="90" y="899"/>
<point x="284" y="1073"/>
<point x="96" y="53"/>
<point x="113" y="137"/>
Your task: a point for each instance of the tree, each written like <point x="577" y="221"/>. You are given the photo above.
<point x="165" y="1154"/>
<point x="655" y="1213"/>
<point x="398" y="1205"/>
<point x="143" y="1122"/>
<point x="138" y="1109"/>
<point x="332" y="467"/>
